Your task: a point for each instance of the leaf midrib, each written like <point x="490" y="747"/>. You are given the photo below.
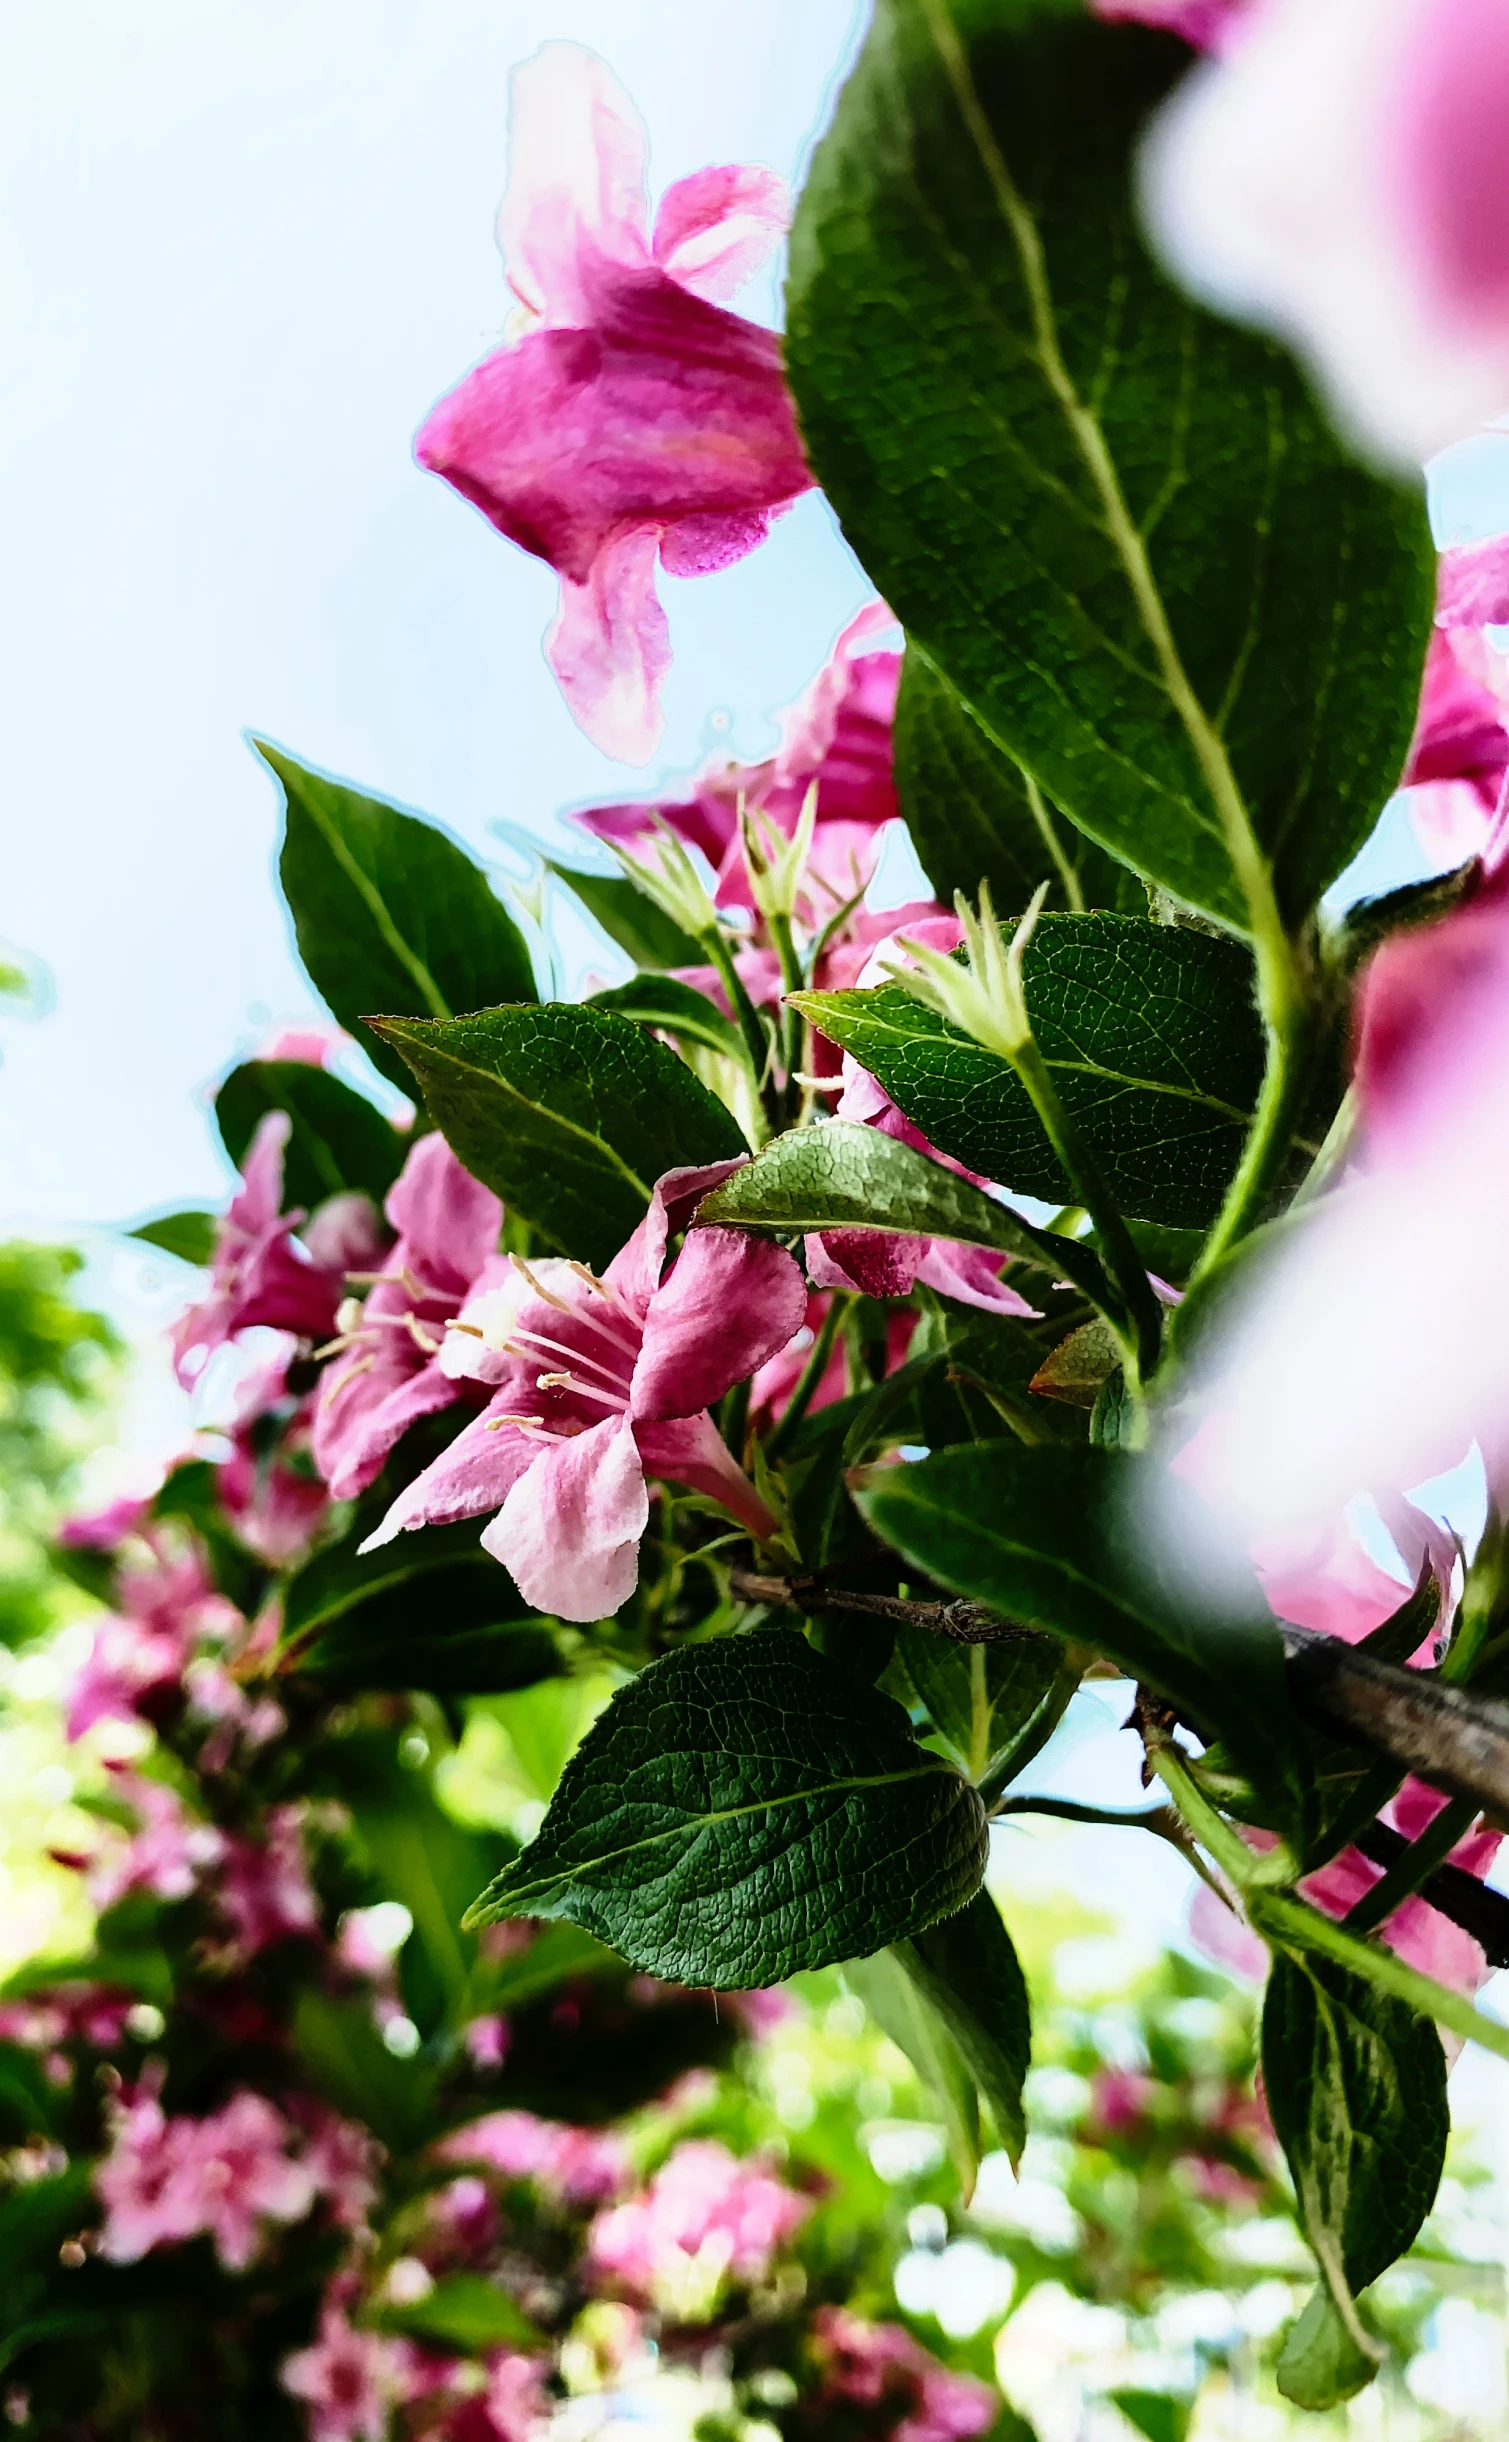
<point x="541" y="1110"/>
<point x="928" y="1771"/>
<point x="377" y="908"/>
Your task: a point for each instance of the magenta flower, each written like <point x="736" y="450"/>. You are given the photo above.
<point x="703" y="2211"/>
<point x="225" y="2177"/>
<point x="1460" y="752"/>
<point x="634" y="415"/>
<point x="390" y="1367"/>
<point x="609" y="1381"/>
<point x="261" y="1273"/>
<point x="137" y="1656"/>
<point x="1339" y="175"/>
<point x="838" y="738"/>
<point x="346" y="2379"/>
<point x="880" y="2366"/>
<point x="572" y="2166"/>
<point x="263" y="1889"/>
<point x="1205" y="23"/>
<point x="166" y="1856"/>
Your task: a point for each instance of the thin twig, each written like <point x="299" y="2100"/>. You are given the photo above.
<point x="1457" y="1742"/>
<point x="963" y="1623"/>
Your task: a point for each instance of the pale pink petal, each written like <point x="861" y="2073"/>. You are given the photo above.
<point x="258" y="1201"/>
<point x="690" y="1450"/>
<point x="609" y="646"/>
<point x="636" y="1268"/>
<point x="449" y="1220"/>
<point x="1224" y="1938"/>
<point x="1472" y="584"/>
<point x="363" y="1415"/>
<point x="1453" y="102"/>
<point x="472" y="1476"/>
<point x="569" y="1531"/>
<point x="971" y="1275"/>
<point x="732" y="1299"/>
<point x="576" y="165"/>
<point x="714" y="229"/>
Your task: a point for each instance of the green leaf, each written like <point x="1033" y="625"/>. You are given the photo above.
<point x="1120" y="526"/>
<point x="337" y="1141"/>
<point x="390" y="912"/>
<point x="346" y="2060"/>
<point x="1057" y="1539"/>
<point x="431" y="1610"/>
<point x="967" y="1968"/>
<point x="981" y="1698"/>
<point x="629" y="917"/>
<point x="1152" y="1041"/>
<point x="190" y="1234"/>
<point x="844" y="1176"/>
<point x="677" y="1008"/>
<point x="1161" y="2416"/>
<point x="1356" y="2087"/>
<point x="901" y="2010"/>
<point x="743" y="1810"/>
<point x="467" y="2312"/>
<point x="569" y="1114"/>
<point x="1320" y="2365"/>
<point x="974" y="817"/>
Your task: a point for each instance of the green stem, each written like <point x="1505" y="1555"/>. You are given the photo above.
<point x="1249" y="1869"/>
<point x="792" y="980"/>
<point x="811" y="1375"/>
<point x="1085" y="1177"/>
<point x="1286" y="1082"/>
<point x="1481" y="1602"/>
<point x="1162" y="1821"/>
<point x="746" y="1016"/>
<point x="735" y="1419"/>
<point x="1292" y="1925"/>
<point x="1404" y="1877"/>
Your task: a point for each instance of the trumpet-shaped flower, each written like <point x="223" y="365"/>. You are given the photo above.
<point x="608" y="1381"/>
<point x="388" y="1369"/>
<point x="632" y="416"/>
<point x="837" y="739"/>
<point x="1339" y="175"/>
<point x="1460" y="751"/>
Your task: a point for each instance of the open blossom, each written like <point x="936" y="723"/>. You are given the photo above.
<point x="166" y="1856"/>
<point x="573" y="2166"/>
<point x="346" y="2378"/>
<point x="634" y="415"/>
<point x="703" y="2208"/>
<point x="1460" y="752"/>
<point x="390" y="1368"/>
<point x="1339" y="175"/>
<point x="138" y="1654"/>
<point x="880" y="2366"/>
<point x="609" y="1381"/>
<point x="166" y="2179"/>
<point x="263" y="1886"/>
<point x="269" y="1486"/>
<point x="838" y="738"/>
<point x="261" y="1273"/>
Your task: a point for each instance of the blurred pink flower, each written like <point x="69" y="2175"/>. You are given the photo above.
<point x="388" y="1371"/>
<point x="92" y="2014"/>
<point x="653" y="1348"/>
<point x="261" y="1274"/>
<point x="703" y="2205"/>
<point x="878" y="2365"/>
<point x="838" y="736"/>
<point x="1339" y="175"/>
<point x="225" y="2177"/>
<point x="346" y="2379"/>
<point x="1205" y="23"/>
<point x="100" y="1530"/>
<point x="269" y="1486"/>
<point x="486" y="2041"/>
<point x="138" y="1654"/>
<point x="1460" y="753"/>
<point x="632" y="416"/>
<point x="574" y="2166"/>
<point x="263" y="1887"/>
<point x="342" y="2158"/>
<point x="168" y="1854"/>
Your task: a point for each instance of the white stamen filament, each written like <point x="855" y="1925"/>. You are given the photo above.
<point x="581" y="1390"/>
<point x="526" y="1343"/>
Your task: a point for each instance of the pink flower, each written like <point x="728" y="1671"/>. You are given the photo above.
<point x="875" y="1261"/>
<point x="137" y="1656"/>
<point x="226" y="2176"/>
<point x="1205" y="23"/>
<point x="704" y="2206"/>
<point x="609" y="1381"/>
<point x="390" y="1370"/>
<point x="1339" y="175"/>
<point x="261" y="1274"/>
<point x="512" y="2408"/>
<point x="486" y="2041"/>
<point x="264" y="1890"/>
<point x="838" y="736"/>
<point x="268" y="1486"/>
<point x="167" y="1855"/>
<point x="1460" y="753"/>
<point x="346" y="2379"/>
<point x="633" y="415"/>
<point x="92" y="2014"/>
<point x="878" y="2365"/>
<point x="342" y="2159"/>
<point x="574" y="2166"/>
<point x="1119" y="2099"/>
<point x="102" y="1529"/>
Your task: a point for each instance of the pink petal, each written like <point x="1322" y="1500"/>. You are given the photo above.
<point x="569" y="1531"/>
<point x="1224" y="1938"/>
<point x="690" y="1450"/>
<point x="259" y="1200"/>
<point x="1472" y="584"/>
<point x="635" y="1270"/>
<point x="1453" y="102"/>
<point x="363" y="1416"/>
<point x="699" y="546"/>
<point x="449" y="1221"/>
<point x="714" y="229"/>
<point x="1201" y="22"/>
<point x="732" y="1299"/>
<point x="971" y="1275"/>
<point x="475" y="1474"/>
<point x="610" y="648"/>
<point x="880" y="1263"/>
<point x="576" y="164"/>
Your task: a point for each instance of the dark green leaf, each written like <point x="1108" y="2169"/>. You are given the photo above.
<point x="980" y="1697"/>
<point x="746" y="1809"/>
<point x="677" y="1008"/>
<point x="900" y="2008"/>
<point x="1356" y="2087"/>
<point x="974" y="817"/>
<point x="190" y="1235"/>
<point x="390" y="912"/>
<point x="431" y="1610"/>
<point x="1058" y="1539"/>
<point x="1120" y="526"/>
<point x="466" y="2311"/>
<point x="844" y="1176"/>
<point x="967" y="1968"/>
<point x="570" y="1115"/>
<point x="1162" y="2416"/>
<point x="1153" y="1043"/>
<point x="627" y="916"/>
<point x="337" y="1140"/>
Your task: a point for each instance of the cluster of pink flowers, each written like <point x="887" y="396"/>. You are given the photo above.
<point x="228" y="2177"/>
<point x="879" y="2366"/>
<point x="351" y="2379"/>
<point x="572" y="2166"/>
<point x="705" y="2208"/>
<point x="260" y="1888"/>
